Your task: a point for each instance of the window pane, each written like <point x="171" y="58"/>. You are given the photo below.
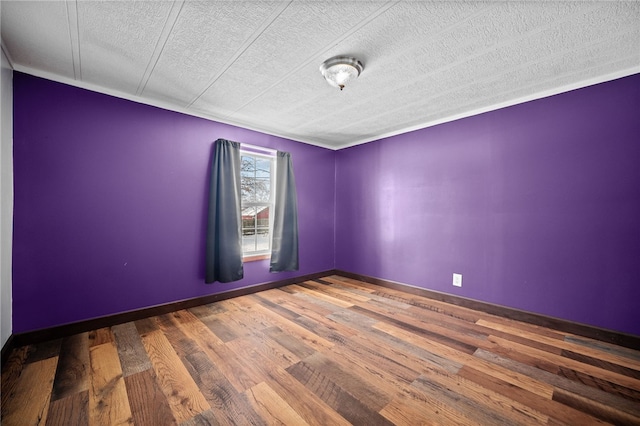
<point x="248" y="243"/>
<point x="262" y="190"/>
<point x="262" y="217"/>
<point x="247" y="177"/>
<point x="263" y="168"/>
<point x="249" y="218"/>
<point x="262" y="239"/>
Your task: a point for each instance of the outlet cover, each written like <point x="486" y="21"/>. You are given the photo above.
<point x="457" y="280"/>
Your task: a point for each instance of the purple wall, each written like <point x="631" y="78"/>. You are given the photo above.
<point x="110" y="201"/>
<point x="537" y="205"/>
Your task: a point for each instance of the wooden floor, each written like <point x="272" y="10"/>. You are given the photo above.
<point x="325" y="352"/>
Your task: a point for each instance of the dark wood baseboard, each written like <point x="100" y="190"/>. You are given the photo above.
<point x="610" y="336"/>
<point x="37" y="336"/>
<point x="7" y="348"/>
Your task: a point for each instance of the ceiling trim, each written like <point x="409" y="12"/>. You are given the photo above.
<point x="154" y="103"/>
<point x="225" y="120"/>
<point x="6" y="54"/>
<point x="500" y="105"/>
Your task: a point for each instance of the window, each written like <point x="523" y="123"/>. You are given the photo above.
<point x="257" y="175"/>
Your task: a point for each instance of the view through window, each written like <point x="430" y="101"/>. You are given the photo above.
<point x="257" y="203"/>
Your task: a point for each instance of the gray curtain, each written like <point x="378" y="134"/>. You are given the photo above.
<point x="224" y="222"/>
<point x="284" y="243"/>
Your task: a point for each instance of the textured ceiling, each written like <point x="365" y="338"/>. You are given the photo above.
<point x="255" y="63"/>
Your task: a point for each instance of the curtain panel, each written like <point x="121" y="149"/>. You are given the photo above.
<point x="284" y="243"/>
<point x="224" y="220"/>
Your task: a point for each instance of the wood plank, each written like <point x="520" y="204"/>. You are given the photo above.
<point x="366" y="392"/>
<point x="70" y="410"/>
<point x="577" y="385"/>
<point x="44" y="350"/>
<point x="545" y="405"/>
<point x="297" y="348"/>
<point x="220" y="355"/>
<point x="206" y="418"/>
<point x="73" y="366"/>
<point x="181" y="343"/>
<point x="146" y="326"/>
<point x="309" y="311"/>
<point x="396" y="354"/>
<point x="348" y="282"/>
<point x="341" y="401"/>
<point x="301" y="303"/>
<point x="228" y="407"/>
<point x="187" y="321"/>
<point x="611" y="388"/>
<point x="183" y="395"/>
<point x="100" y="336"/>
<point x="413" y="407"/>
<point x="273" y="306"/>
<point x="294" y="329"/>
<point x="308" y="405"/>
<point x="204" y="311"/>
<point x="610" y="376"/>
<point x="601" y="363"/>
<point x="11" y="372"/>
<point x="522" y="357"/>
<point x="108" y="400"/>
<point x="475" y="333"/>
<point x="272" y="407"/>
<point x="338" y="303"/>
<point x="131" y="352"/>
<point x="28" y="402"/>
<point x="336" y="292"/>
<point x="466" y="409"/>
<point x="535" y="386"/>
<point x="595" y="408"/>
<point x="371" y="333"/>
<point x="253" y="358"/>
<point x="149" y="405"/>
<point x="220" y="327"/>
<point x="424" y="330"/>
<point x="568" y="345"/>
<point x="377" y="370"/>
<point x="480" y="399"/>
<point x="609" y="348"/>
<point x="275" y="353"/>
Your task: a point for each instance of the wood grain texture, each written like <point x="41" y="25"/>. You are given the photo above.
<point x="27" y="402"/>
<point x="133" y="357"/>
<point x="149" y="406"/>
<point x="184" y="396"/>
<point x="272" y="407"/>
<point x="327" y="351"/>
<point x="108" y="400"/>
<point x="73" y="365"/>
<point x="70" y="410"/>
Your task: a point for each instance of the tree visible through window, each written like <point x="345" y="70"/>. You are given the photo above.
<point x="257" y="203"/>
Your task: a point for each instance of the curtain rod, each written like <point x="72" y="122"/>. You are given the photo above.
<point x="258" y="148"/>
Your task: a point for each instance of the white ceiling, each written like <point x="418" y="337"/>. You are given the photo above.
<point x="255" y="63"/>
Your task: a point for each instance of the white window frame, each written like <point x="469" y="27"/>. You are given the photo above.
<point x="261" y="254"/>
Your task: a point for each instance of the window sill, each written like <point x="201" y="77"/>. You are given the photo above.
<point x="256" y="257"/>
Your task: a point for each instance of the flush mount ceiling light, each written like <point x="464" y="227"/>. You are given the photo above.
<point x="340" y="69"/>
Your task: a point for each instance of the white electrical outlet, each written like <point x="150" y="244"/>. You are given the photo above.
<point x="457" y="280"/>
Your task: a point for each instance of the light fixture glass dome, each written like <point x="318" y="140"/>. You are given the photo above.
<point x="340" y="69"/>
